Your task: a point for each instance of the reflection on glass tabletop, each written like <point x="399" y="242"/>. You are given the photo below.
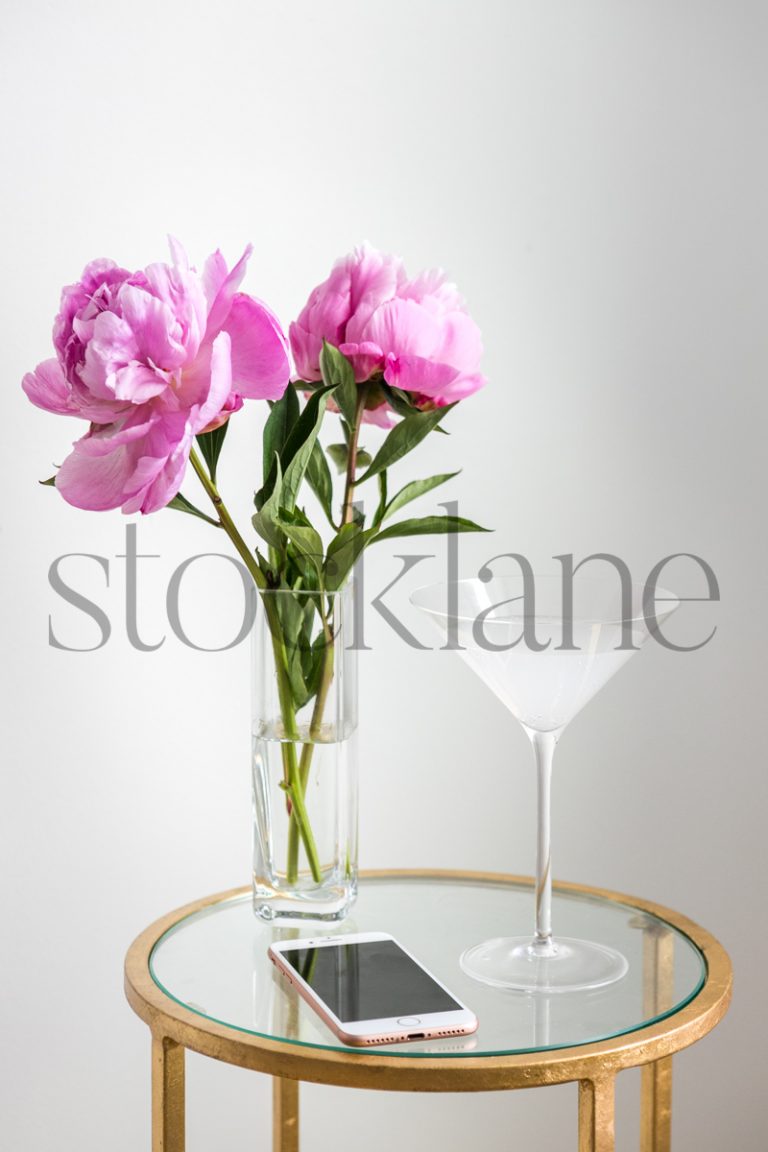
<point x="214" y="962"/>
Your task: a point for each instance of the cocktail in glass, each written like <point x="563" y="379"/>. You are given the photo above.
<point x="545" y="646"/>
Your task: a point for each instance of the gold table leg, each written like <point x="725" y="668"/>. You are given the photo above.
<point x="656" y="1106"/>
<point x="167" y="1095"/>
<point x="656" y="1078"/>
<point x="596" y="1115"/>
<point x="285" y="1115"/>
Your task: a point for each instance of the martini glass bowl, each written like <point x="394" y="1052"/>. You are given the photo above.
<point x="545" y="646"/>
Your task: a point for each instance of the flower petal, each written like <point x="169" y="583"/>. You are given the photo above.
<point x="220" y="288"/>
<point x="462" y="387"/>
<point x="178" y="254"/>
<point x="366" y="358"/>
<point x="137" y="383"/>
<point x="260" y="365"/>
<point x="181" y="290"/>
<point x="373" y="279"/>
<point x="441" y="383"/>
<point x="234" y="404"/>
<point x="418" y="374"/>
<point x="160" y="469"/>
<point x="219" y="386"/>
<point x="381" y="416"/>
<point x="461" y="343"/>
<point x="214" y="275"/>
<point x="158" y="478"/>
<point x="96" y="483"/>
<point x="102" y="440"/>
<point x="165" y="484"/>
<point x="157" y="331"/>
<point x="306" y="347"/>
<point x="403" y="327"/>
<point x="431" y="285"/>
<point x="47" y="388"/>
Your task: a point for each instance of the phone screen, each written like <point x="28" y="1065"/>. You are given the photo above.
<point x="372" y="980"/>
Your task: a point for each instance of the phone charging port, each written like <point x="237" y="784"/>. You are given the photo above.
<point x="416" y="1035"/>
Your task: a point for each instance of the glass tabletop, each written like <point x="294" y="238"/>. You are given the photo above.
<point x="214" y="962"/>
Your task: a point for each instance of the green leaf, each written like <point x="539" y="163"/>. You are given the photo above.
<point x="181" y="504"/>
<point x="343" y="551"/>
<point x="399" y="401"/>
<point x="413" y="490"/>
<point x="339" y="453"/>
<point x="312" y="660"/>
<point x="290" y="617"/>
<point x="267" y="520"/>
<point x="319" y="480"/>
<point x="429" y="525"/>
<point x="296" y="615"/>
<point x="49" y="483"/>
<point x="266" y="569"/>
<point x="300" y="434"/>
<point x="211" y="444"/>
<point x="281" y="419"/>
<point x="300" y="445"/>
<point x="287" y="631"/>
<point x="404" y="437"/>
<point x="338" y="373"/>
<point x="307" y="543"/>
<point x="402" y="403"/>
<point x="381" y="507"/>
<point x="299" y="689"/>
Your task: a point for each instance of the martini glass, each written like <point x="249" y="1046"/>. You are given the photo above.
<point x="544" y="647"/>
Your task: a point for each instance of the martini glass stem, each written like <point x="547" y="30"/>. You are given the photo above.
<point x="544" y="744"/>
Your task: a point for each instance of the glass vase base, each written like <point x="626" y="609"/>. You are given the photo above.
<point x="563" y="965"/>
<point x="278" y="906"/>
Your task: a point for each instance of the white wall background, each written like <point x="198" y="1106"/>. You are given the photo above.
<point x="594" y="176"/>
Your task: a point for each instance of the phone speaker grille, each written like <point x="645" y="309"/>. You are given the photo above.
<point x="393" y="1039"/>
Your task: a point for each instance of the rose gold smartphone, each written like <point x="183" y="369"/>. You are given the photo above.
<point x="369" y="990"/>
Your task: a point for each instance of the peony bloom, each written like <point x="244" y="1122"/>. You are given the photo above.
<point x="151" y="359"/>
<point x="416" y="334"/>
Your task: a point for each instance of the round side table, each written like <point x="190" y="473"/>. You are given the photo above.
<point x="200" y="978"/>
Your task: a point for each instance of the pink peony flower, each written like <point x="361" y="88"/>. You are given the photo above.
<point x="151" y="359"/>
<point x="417" y="333"/>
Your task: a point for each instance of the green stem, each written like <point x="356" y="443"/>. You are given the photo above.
<point x="226" y="521"/>
<point x="307" y="751"/>
<point x="291" y="775"/>
<point x="326" y="676"/>
<point x="382" y="506"/>
<point x="349" y="483"/>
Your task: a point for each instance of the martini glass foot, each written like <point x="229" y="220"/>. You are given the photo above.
<point x="564" y="965"/>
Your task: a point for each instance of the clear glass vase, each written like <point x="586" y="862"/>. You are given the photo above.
<point x="304" y="762"/>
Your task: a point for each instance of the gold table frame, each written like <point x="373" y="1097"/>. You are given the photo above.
<point x="593" y="1066"/>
